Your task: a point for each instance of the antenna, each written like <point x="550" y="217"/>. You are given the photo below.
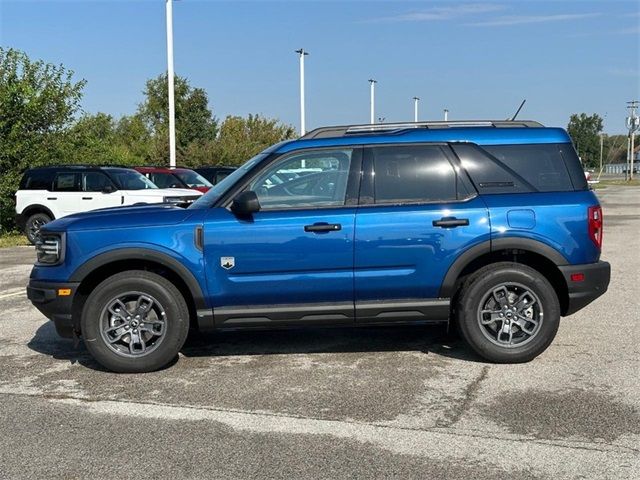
<point x="518" y="111"/>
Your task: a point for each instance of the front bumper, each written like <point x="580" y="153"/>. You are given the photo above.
<point x="595" y="281"/>
<point x="47" y="297"/>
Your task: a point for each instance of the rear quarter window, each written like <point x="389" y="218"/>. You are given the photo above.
<point x="522" y="168"/>
<point x="36" y="180"/>
<point x="541" y="165"/>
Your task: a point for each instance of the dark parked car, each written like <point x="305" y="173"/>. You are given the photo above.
<point x="215" y="174"/>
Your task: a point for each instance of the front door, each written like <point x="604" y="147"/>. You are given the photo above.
<point x="417" y="215"/>
<point x="293" y="260"/>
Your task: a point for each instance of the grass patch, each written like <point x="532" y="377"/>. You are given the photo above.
<point x="607" y="183"/>
<point x="12" y="240"/>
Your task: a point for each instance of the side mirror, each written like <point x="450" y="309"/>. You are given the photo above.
<point x="246" y="203"/>
<point x="108" y="189"/>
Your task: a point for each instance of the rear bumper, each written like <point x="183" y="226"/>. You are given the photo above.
<point x="595" y="282"/>
<point x="58" y="308"/>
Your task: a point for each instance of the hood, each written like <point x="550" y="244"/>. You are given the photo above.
<point x="163" y="192"/>
<point x="134" y="216"/>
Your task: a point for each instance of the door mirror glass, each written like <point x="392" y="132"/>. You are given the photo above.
<point x="246" y="203"/>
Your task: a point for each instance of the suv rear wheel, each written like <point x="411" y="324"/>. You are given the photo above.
<point x="508" y="312"/>
<point x="33" y="225"/>
<point x="135" y="321"/>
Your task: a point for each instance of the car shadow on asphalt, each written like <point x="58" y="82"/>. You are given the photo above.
<point x="426" y="339"/>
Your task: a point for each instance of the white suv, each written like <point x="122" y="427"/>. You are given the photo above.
<point x="48" y="193"/>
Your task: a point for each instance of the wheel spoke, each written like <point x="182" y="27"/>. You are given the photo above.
<point x="116" y="333"/>
<point x="137" y="345"/>
<point x="524" y="301"/>
<point x="524" y="322"/>
<point x="501" y="295"/>
<point x="505" y="330"/>
<point x="118" y="309"/>
<point x="154" y="327"/>
<point x="144" y="304"/>
<point x="489" y="316"/>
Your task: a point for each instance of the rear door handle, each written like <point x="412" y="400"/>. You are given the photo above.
<point x="451" y="222"/>
<point x="323" y="227"/>
<point x="87" y="198"/>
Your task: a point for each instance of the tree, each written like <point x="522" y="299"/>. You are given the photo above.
<point x="584" y="131"/>
<point x="38" y="102"/>
<point x="241" y="138"/>
<point x="194" y="120"/>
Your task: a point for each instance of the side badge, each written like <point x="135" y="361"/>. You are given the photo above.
<point x="227" y="262"/>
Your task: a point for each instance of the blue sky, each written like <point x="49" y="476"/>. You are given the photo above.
<point x="478" y="59"/>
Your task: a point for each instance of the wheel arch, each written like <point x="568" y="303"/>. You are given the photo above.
<point x="91" y="273"/>
<point x="37" y="208"/>
<point x="535" y="254"/>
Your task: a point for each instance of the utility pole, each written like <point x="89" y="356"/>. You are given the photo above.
<point x="372" y="100"/>
<point x="633" y="123"/>
<point x="415" y="108"/>
<point x="446" y="115"/>
<point x="171" y="92"/>
<point x="302" y="54"/>
<point x="601" y="150"/>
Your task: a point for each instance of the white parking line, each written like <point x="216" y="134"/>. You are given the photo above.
<point x="14" y="294"/>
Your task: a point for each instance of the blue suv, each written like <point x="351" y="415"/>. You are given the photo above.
<point x="488" y="224"/>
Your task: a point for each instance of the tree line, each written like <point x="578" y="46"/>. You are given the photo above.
<point x="42" y="123"/>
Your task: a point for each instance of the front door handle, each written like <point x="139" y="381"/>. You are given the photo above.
<point x="87" y="198"/>
<point x="323" y="227"/>
<point x="451" y="222"/>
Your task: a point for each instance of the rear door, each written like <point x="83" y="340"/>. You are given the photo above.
<point x="67" y="193"/>
<point x="98" y="191"/>
<point x="416" y="215"/>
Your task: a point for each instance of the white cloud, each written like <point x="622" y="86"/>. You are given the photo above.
<point x="507" y="20"/>
<point x="441" y="13"/>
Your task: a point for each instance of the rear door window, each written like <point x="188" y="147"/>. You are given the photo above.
<point x="414" y="174"/>
<point x="67" y="182"/>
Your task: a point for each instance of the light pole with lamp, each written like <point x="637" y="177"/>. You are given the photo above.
<point x="302" y="54"/>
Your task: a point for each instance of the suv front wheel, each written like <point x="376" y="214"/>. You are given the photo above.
<point x="508" y="312"/>
<point x="135" y="321"/>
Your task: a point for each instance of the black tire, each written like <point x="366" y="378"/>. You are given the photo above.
<point x="33" y="224"/>
<point x="478" y="291"/>
<point x="169" y="311"/>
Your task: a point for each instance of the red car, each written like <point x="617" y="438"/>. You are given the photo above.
<point x="165" y="177"/>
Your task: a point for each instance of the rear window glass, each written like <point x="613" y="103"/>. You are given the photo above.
<point x="67" y="182"/>
<point x="540" y="165"/>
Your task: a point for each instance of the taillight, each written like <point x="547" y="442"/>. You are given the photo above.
<point x="595" y="225"/>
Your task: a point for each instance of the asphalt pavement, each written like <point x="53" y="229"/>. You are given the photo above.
<point x="394" y="402"/>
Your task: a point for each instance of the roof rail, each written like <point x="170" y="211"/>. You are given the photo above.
<point x="80" y="165"/>
<point x="341" y="131"/>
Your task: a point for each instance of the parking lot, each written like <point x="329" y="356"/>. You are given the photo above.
<point x="410" y="402"/>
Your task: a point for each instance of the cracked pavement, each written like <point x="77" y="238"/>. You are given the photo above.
<point x="399" y="402"/>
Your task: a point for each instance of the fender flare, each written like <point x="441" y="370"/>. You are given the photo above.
<point x="143" y="254"/>
<point x="447" y="290"/>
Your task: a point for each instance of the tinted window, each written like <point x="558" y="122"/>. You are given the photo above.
<point x="130" y="179"/>
<point x="488" y="174"/>
<point x="541" y="165"/>
<point x="222" y="175"/>
<point x="310" y="179"/>
<point x="36" y="180"/>
<point x="94" y="181"/>
<point x="409" y="174"/>
<point x="67" y="182"/>
<point x="165" y="180"/>
<point x="192" y="179"/>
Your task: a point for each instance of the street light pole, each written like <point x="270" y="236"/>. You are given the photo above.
<point x="415" y="108"/>
<point x="446" y="114"/>
<point x="633" y="123"/>
<point x="372" y="101"/>
<point x="170" y="75"/>
<point x="302" y="54"/>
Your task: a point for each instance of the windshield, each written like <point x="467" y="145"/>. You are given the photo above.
<point x="193" y="179"/>
<point x="130" y="180"/>
<point x="218" y="189"/>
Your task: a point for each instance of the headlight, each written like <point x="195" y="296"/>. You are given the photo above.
<point x="49" y="248"/>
